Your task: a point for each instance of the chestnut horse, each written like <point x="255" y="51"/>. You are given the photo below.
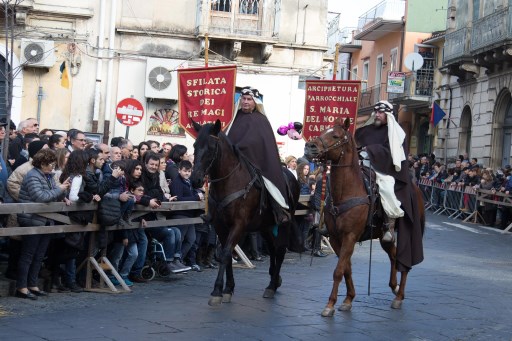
<point x="234" y="206"/>
<point x="347" y="221"/>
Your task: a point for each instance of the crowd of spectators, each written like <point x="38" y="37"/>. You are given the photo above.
<point x="45" y="166"/>
<point x="461" y="173"/>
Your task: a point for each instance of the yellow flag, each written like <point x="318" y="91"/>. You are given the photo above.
<point x="65" y="80"/>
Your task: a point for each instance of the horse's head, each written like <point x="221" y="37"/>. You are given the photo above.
<point x="334" y="144"/>
<point x="206" y="149"/>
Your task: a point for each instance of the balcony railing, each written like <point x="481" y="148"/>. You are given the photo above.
<point x="456" y="45"/>
<point x="372" y="95"/>
<point x="343" y="37"/>
<point x="387" y="10"/>
<point x="415" y="86"/>
<point x="238" y="18"/>
<point x="491" y="29"/>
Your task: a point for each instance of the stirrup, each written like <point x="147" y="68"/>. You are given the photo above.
<point x="323" y="231"/>
<point x="388" y="237"/>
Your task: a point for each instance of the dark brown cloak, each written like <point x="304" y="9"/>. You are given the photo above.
<point x="410" y="237"/>
<point x="253" y="135"/>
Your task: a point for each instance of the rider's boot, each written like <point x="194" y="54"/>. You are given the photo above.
<point x="207" y="217"/>
<point x="388" y="230"/>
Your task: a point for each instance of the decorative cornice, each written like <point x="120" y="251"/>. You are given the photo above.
<point x="47" y="10"/>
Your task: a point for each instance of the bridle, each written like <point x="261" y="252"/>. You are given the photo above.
<point x="337" y="145"/>
<point x="207" y="170"/>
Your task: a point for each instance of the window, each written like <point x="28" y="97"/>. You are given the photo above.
<point x="393" y="58"/>
<point x="378" y="69"/>
<point x="249" y="6"/>
<point x="366" y="71"/>
<point x="353" y="75"/>
<point x="221" y="5"/>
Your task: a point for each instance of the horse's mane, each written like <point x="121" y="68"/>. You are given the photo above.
<point x="205" y="132"/>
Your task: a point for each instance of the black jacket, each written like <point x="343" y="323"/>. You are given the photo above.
<point x="184" y="192"/>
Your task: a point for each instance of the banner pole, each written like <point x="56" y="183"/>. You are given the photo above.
<point x="336" y="58"/>
<point x="206" y="46"/>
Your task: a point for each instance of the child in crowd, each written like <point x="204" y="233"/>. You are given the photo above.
<point x="182" y="189"/>
<point x="124" y="239"/>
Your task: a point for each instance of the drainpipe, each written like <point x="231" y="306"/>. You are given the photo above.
<point x="402" y="41"/>
<point x="110" y="70"/>
<point x="99" y="66"/>
<point x="304" y="25"/>
<point x="39" y="103"/>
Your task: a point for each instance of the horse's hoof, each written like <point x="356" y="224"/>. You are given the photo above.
<point x="226" y="298"/>
<point x="328" y="312"/>
<point x="396" y="304"/>
<point x="345" y="307"/>
<point x="396" y="289"/>
<point x="269" y="293"/>
<point x="215" y="301"/>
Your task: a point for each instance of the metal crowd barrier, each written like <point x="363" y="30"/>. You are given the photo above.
<point x="452" y="199"/>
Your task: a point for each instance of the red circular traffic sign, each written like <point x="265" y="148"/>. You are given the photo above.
<point x="129" y="112"/>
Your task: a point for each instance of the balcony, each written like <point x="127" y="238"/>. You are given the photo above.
<point x="456" y="46"/>
<point x="372" y="95"/>
<point x="347" y="42"/>
<point x="249" y="20"/>
<point x="417" y="90"/>
<point x="382" y="19"/>
<point x="491" y="31"/>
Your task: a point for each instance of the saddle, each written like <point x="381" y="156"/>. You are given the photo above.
<point x="375" y="213"/>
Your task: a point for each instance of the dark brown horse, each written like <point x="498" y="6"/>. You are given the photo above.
<point x="350" y="199"/>
<point x="234" y="204"/>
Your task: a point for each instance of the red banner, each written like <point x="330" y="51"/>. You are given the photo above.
<point x="326" y="102"/>
<point x="205" y="95"/>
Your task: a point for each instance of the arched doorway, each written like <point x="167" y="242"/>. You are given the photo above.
<point x="3" y="109"/>
<point x="501" y="153"/>
<point x="506" y="157"/>
<point x="465" y="131"/>
<point x="17" y="94"/>
<point x="424" y="139"/>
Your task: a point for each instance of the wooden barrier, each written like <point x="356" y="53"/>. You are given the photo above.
<point x="57" y="211"/>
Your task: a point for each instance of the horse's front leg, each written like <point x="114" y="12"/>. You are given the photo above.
<point x="230" y="282"/>
<point x="226" y="259"/>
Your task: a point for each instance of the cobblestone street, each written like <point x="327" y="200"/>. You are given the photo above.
<point x="462" y="291"/>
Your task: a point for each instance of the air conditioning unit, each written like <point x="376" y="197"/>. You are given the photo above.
<point x="162" y="77"/>
<point x="37" y="53"/>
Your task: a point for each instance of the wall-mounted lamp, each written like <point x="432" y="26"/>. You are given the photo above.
<point x="385" y="64"/>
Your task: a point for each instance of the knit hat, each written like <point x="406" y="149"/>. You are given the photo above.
<point x="34" y="147"/>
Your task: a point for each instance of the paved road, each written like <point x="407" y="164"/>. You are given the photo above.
<point x="462" y="291"/>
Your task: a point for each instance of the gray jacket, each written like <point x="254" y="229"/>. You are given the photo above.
<point x="37" y="187"/>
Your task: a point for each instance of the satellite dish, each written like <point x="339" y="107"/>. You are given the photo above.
<point x="413" y="61"/>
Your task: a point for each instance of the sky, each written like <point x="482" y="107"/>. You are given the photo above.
<point x="351" y="10"/>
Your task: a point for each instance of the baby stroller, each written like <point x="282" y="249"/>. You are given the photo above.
<point x="156" y="262"/>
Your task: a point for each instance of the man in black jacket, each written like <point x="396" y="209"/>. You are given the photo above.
<point x="384" y="139"/>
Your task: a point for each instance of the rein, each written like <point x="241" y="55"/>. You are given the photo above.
<point x="235" y="195"/>
<point x="337" y="145"/>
